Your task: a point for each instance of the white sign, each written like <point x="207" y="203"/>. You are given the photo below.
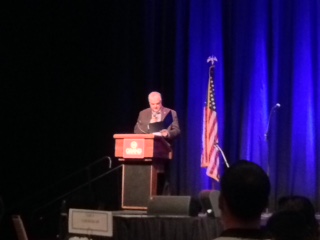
<point x="90" y="222"/>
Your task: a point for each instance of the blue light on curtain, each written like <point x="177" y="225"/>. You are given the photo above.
<point x="204" y="40"/>
<point x="268" y="53"/>
<point x="303" y="144"/>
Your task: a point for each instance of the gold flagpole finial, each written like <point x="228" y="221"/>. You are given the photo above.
<point x="212" y="59"/>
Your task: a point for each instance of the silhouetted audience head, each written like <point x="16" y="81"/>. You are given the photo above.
<point x="245" y="189"/>
<point x="304" y="208"/>
<point x="299" y="203"/>
<point x="288" y="225"/>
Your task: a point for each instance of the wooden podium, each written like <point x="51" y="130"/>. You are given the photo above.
<point x="143" y="157"/>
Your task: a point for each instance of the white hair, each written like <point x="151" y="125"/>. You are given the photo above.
<point x="154" y="94"/>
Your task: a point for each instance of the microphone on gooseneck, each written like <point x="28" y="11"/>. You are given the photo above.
<point x="138" y="125"/>
<point x="270" y="115"/>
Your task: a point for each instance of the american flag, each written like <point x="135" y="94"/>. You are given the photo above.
<point x="210" y="153"/>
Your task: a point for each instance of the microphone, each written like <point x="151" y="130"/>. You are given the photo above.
<point x="154" y="117"/>
<point x="138" y="125"/>
<point x="271" y="113"/>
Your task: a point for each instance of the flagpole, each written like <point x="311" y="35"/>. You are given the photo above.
<point x="210" y="152"/>
<point x="212" y="59"/>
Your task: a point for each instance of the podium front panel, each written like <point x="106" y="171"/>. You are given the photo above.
<point x="137" y="185"/>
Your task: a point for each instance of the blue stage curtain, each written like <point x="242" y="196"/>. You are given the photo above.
<point x="268" y="53"/>
<point x="78" y="72"/>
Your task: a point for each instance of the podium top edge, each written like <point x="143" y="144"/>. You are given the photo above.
<point x="133" y="135"/>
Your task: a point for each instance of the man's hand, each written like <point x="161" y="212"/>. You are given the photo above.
<point x="164" y="133"/>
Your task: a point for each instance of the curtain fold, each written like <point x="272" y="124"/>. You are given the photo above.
<point x="270" y="54"/>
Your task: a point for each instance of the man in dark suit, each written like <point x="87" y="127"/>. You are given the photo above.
<point x="157" y="113"/>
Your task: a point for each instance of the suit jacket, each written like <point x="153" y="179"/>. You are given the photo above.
<point x="144" y="120"/>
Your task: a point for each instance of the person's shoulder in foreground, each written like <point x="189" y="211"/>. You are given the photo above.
<point x="245" y="189"/>
<point x="234" y="234"/>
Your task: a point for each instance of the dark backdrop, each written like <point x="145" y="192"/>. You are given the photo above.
<point x="75" y="73"/>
